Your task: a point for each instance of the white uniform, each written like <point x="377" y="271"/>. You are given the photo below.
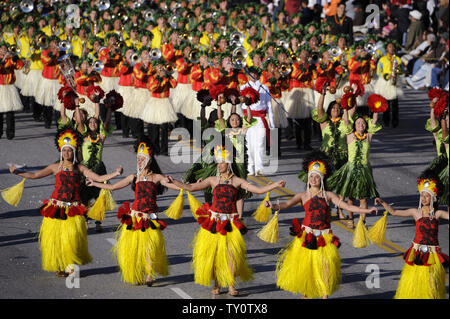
<point x="256" y="135"/>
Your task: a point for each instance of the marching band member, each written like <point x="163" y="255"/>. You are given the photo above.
<point x="9" y="96"/>
<point x="126" y="87"/>
<point x="158" y="111"/>
<point x="386" y="85"/>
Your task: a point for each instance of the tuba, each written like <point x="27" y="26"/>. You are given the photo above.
<point x="239" y="57"/>
<point x="67" y="70"/>
<point x="395" y="70"/>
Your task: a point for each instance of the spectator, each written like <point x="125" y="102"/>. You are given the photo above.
<point x="340" y="23"/>
<point x="415" y="29"/>
<point x="291" y="7"/>
<point x="401" y="13"/>
<point x="330" y="7"/>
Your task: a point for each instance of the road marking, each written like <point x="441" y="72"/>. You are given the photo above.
<point x="112" y="241"/>
<point x="181" y="293"/>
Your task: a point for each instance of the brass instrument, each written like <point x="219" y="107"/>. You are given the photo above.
<point x="395" y="70"/>
<point x="122" y="14"/>
<point x="67" y="70"/>
<point x="314" y="58"/>
<point x="14" y="50"/>
<point x="169" y="68"/>
<point x="134" y="59"/>
<point x="294" y="58"/>
<point x="285" y="69"/>
<point x="121" y="45"/>
<point x="26" y="6"/>
<point x="149" y="15"/>
<point x="236" y="38"/>
<point x="185" y="36"/>
<point x="283" y="43"/>
<point x="103" y="5"/>
<point x="173" y="21"/>
<point x="239" y="58"/>
<point x="155" y="54"/>
<point x="64" y="45"/>
<point x="98" y="65"/>
<point x="194" y="56"/>
<point x="335" y="51"/>
<point x="43" y="42"/>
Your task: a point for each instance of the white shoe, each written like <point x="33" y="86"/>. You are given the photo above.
<point x="259" y="173"/>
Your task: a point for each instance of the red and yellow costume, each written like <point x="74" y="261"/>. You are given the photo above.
<point x="423" y="276"/>
<point x="140" y="249"/>
<point x="310" y="264"/>
<point x="219" y="248"/>
<point x="8" y="92"/>
<point x="110" y="72"/>
<point x="47" y="90"/>
<point x="126" y="86"/>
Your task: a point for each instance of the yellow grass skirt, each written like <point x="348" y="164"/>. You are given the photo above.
<point x="63" y="243"/>
<point x="313" y="273"/>
<point x="140" y="254"/>
<point x="220" y="256"/>
<point x="422" y="282"/>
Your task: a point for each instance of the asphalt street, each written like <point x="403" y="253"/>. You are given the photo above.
<point x="397" y="157"/>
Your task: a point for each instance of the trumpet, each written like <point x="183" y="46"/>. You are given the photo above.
<point x="134" y="58"/>
<point x="185" y="36"/>
<point x="64" y="45"/>
<point x="239" y="57"/>
<point x="155" y="54"/>
<point x="236" y="38"/>
<point x="283" y="43"/>
<point x="121" y="45"/>
<point x="103" y="5"/>
<point x="26" y="6"/>
<point x="169" y="68"/>
<point x="14" y="50"/>
<point x="335" y="51"/>
<point x="294" y="58"/>
<point x="98" y="65"/>
<point x="42" y="42"/>
<point x="149" y="15"/>
<point x="285" y="69"/>
<point x="194" y="56"/>
<point x="314" y="58"/>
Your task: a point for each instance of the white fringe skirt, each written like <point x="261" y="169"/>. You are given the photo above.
<point x="180" y="97"/>
<point x="20" y="78"/>
<point x="109" y="83"/>
<point x="30" y="83"/>
<point x="328" y="98"/>
<point x="299" y="103"/>
<point x="10" y="99"/>
<point x="137" y="102"/>
<point x="158" y="111"/>
<point x="193" y="109"/>
<point x="127" y="95"/>
<point x="387" y="90"/>
<point x="47" y="92"/>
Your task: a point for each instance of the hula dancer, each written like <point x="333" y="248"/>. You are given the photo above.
<point x="219" y="248"/>
<point x="140" y="249"/>
<point x="423" y="276"/>
<point x="310" y="264"/>
<point x="63" y="235"/>
<point x="354" y="179"/>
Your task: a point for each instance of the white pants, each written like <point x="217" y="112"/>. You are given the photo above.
<point x="255" y="138"/>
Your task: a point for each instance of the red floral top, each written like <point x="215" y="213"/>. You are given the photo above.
<point x="318" y="214"/>
<point x="67" y="186"/>
<point x="145" y="197"/>
<point x="427" y="231"/>
<point x="225" y="197"/>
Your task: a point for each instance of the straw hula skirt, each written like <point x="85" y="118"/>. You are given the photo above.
<point x="219" y="250"/>
<point x="309" y="265"/>
<point x="9" y="99"/>
<point x="31" y="82"/>
<point x="63" y="236"/>
<point x="47" y="92"/>
<point x="299" y="102"/>
<point x="140" y="248"/>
